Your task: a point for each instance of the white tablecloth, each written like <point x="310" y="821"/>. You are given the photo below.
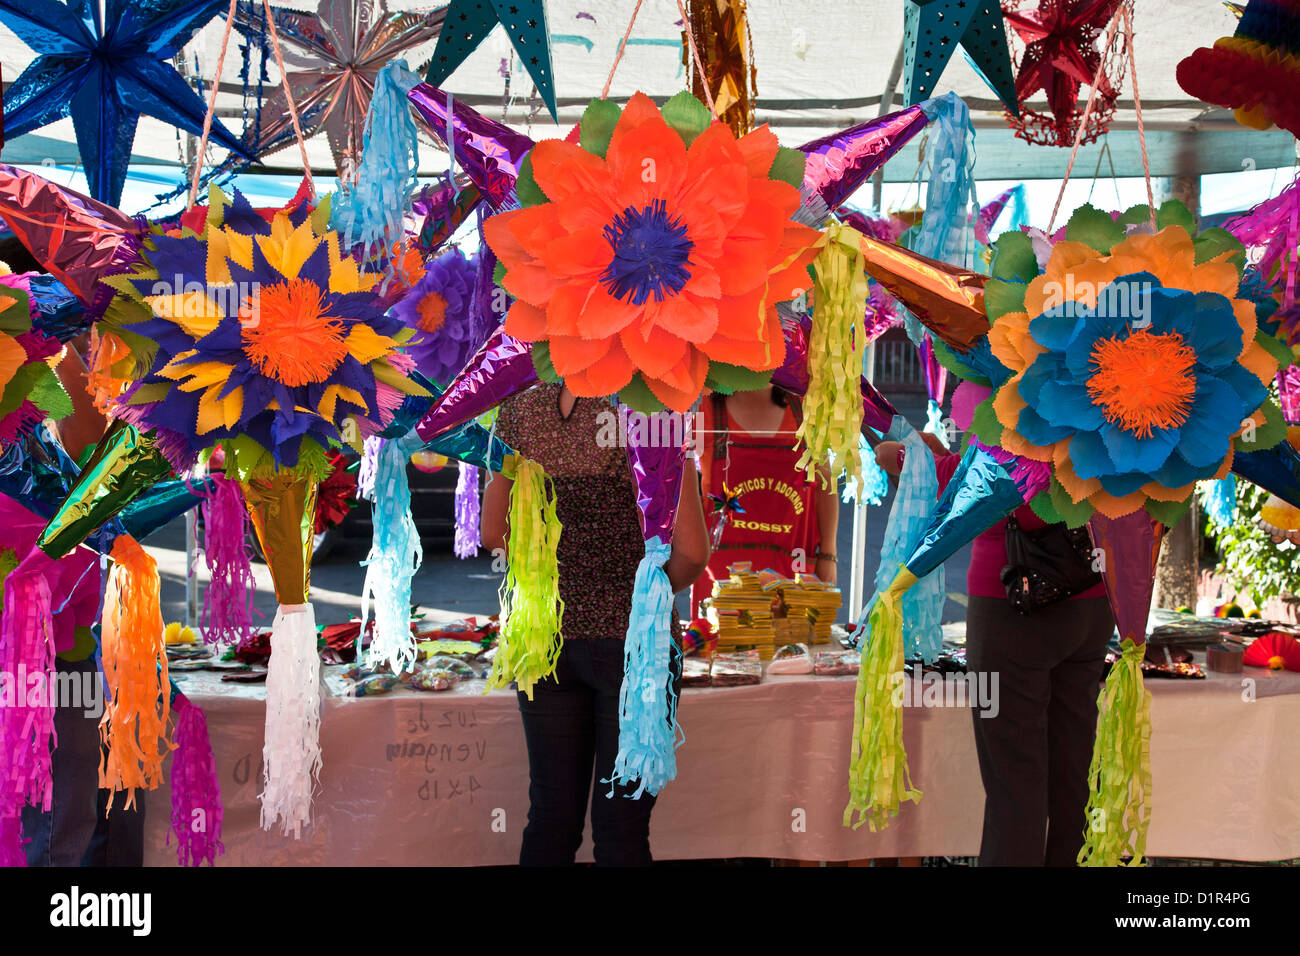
<point x="442" y="779"/>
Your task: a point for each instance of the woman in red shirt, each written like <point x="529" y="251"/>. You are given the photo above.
<point x="750" y="451"/>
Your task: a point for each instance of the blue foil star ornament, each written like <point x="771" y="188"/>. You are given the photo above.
<point x="468" y="23"/>
<point x="103" y="68"/>
<point x="933" y="28"/>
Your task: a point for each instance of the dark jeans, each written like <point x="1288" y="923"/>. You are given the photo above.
<point x="571" y="729"/>
<point x="1035" y="753"/>
<point x="75" y="832"/>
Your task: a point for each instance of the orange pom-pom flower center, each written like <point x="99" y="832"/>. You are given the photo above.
<point x="1143" y="382"/>
<point x="432" y="312"/>
<point x="289" y="336"/>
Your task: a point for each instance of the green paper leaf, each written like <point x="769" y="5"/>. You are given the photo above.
<point x="1074" y="515"/>
<point x="1215" y="242"/>
<point x="48" y="394"/>
<point x="735" y="378"/>
<point x="320" y="216"/>
<point x="499" y="274"/>
<point x="953" y="363"/>
<point x="149" y="393"/>
<point x="1135" y="215"/>
<point x="984" y="423"/>
<point x="542" y="362"/>
<point x="637" y="395"/>
<point x="1002" y="297"/>
<point x="526" y="188"/>
<point x="788" y="167"/>
<point x="1094" y="229"/>
<point x="1042" y="506"/>
<point x="1174" y="213"/>
<point x="17" y="318"/>
<point x="1267" y="435"/>
<point x="1013" y="257"/>
<point x="1275" y="348"/>
<point x="1168" y="513"/>
<point x="20" y="387"/>
<point x="598" y="122"/>
<point x="687" y="115"/>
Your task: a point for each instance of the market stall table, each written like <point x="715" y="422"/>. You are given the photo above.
<point x="442" y="778"/>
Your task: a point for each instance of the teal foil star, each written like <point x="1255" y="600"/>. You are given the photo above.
<point x="933" y="28"/>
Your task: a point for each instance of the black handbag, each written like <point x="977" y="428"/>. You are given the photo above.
<point x="1046" y="566"/>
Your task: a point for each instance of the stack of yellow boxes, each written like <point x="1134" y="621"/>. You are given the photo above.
<point x="741" y="610"/>
<point x="810" y="598"/>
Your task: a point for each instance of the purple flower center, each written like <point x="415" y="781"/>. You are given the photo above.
<point x="651" y="254"/>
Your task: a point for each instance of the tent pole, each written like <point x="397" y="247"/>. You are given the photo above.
<point x="886" y="105"/>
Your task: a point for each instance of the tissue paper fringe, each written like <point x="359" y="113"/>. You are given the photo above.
<point x="196" y="789"/>
<point x="228" y="601"/>
<point x="291" y="754"/>
<point x="467" y="540"/>
<point x="395" y="556"/>
<point x="648" y="734"/>
<point x="134" y="726"/>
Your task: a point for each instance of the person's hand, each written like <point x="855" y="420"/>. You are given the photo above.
<point x="825" y="568"/>
<point x="887" y="456"/>
<point x="935" y="444"/>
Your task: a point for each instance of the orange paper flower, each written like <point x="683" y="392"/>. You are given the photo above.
<point x="665" y="253"/>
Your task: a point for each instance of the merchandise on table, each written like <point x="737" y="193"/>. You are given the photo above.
<point x="792" y="659"/>
<point x="696" y="672"/>
<point x="741" y="611"/>
<point x="809" y="597"/>
<point x="737" y="669"/>
<point x="836" y="663"/>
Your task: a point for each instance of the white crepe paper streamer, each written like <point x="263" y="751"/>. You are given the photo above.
<point x="291" y="753"/>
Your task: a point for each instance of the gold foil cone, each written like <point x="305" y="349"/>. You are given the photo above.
<point x="283" y="509"/>
<point x="947" y="299"/>
<point x="123" y="464"/>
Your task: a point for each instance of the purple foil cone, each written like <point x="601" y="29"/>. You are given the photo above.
<point x="655" y="452"/>
<point x="841" y="162"/>
<point x="501" y="368"/>
<point x="1129" y="549"/>
<point x="877" y="411"/>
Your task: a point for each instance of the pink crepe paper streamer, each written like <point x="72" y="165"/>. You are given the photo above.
<point x="467" y="540"/>
<point x="228" y="602"/>
<point x="196" y="789"/>
<point x="1274" y="226"/>
<point x="19" y="422"/>
<point x="27" y="732"/>
<point x="11" y="841"/>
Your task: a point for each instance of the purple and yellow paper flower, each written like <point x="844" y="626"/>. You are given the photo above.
<point x="437" y="310"/>
<point x="265" y="340"/>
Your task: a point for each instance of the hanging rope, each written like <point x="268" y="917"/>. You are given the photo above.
<point x="618" y="57"/>
<point x="1125" y="16"/>
<point x="196" y="173"/>
<point x="288" y="96"/>
<point x="695" y="55"/>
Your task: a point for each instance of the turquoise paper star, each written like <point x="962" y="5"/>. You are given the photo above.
<point x="933" y="28"/>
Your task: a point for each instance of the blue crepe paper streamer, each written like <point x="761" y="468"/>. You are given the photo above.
<point x="875" y="483"/>
<point x="946" y="233"/>
<point x="395" y="556"/>
<point x="934" y="422"/>
<point x="914" y="504"/>
<point x="648" y="735"/>
<point x="1219" y="498"/>
<point x="371" y="213"/>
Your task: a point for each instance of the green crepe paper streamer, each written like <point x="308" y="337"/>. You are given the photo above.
<point x="1075" y="515"/>
<point x="531" y="609"/>
<point x="1013" y="258"/>
<point x="985" y="425"/>
<point x="1042" y="506"/>
<point x="788" y="166"/>
<point x="17" y="317"/>
<point x="953" y="363"/>
<point x="1119" y="780"/>
<point x="542" y="363"/>
<point x="597" y="127"/>
<point x="1266" y="435"/>
<point x="735" y="378"/>
<point x="1168" y="513"/>
<point x="1094" y="228"/>
<point x="637" y="396"/>
<point x="526" y="191"/>
<point x="1002" y="297"/>
<point x="687" y="115"/>
<point x="8" y="561"/>
<point x="878" y="776"/>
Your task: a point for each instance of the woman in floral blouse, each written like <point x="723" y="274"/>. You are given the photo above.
<point x="571" y="724"/>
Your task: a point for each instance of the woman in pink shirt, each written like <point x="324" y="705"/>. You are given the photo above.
<point x="1034" y="752"/>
